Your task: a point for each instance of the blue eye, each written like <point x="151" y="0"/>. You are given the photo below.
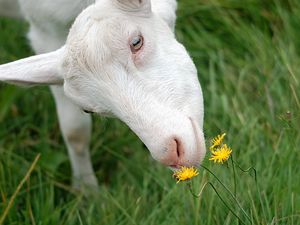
<point x="136" y="43"/>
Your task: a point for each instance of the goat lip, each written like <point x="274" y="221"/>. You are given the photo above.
<point x="174" y="167"/>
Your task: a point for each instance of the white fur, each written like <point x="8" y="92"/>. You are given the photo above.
<point x="156" y="91"/>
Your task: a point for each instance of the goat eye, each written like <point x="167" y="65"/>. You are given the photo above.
<point x="136" y="43"/>
<point x="86" y="111"/>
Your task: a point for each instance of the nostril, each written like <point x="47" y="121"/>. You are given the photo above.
<point x="175" y="152"/>
<point x="179" y="150"/>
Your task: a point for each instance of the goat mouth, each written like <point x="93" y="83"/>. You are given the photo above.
<point x="174" y="167"/>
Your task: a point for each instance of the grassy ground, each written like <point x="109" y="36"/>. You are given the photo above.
<point x="248" y="57"/>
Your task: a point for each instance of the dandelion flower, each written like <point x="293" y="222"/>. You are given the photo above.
<point x="217" y="142"/>
<point x="185" y="173"/>
<point x="221" y="155"/>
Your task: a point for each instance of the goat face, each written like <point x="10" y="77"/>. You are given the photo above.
<point x="123" y="60"/>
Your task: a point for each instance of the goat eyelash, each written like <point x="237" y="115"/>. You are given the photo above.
<point x="87" y="111"/>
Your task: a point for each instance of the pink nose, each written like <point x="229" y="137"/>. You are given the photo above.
<point x="175" y="153"/>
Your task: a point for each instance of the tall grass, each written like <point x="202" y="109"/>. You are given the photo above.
<point x="247" y="54"/>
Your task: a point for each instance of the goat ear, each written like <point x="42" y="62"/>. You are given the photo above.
<point x="141" y="7"/>
<point x="42" y="69"/>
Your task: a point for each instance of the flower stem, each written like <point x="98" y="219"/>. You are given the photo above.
<point x="231" y="194"/>
<point x="218" y="194"/>
<point x="248" y="170"/>
<point x="234" y="175"/>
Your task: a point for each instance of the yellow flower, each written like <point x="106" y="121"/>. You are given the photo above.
<point x="217" y="142"/>
<point x="185" y="173"/>
<point x="221" y="155"/>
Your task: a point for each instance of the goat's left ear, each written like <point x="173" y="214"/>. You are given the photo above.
<point x="42" y="69"/>
<point x="141" y="7"/>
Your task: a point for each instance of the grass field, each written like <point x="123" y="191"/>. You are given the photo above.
<point x="248" y="57"/>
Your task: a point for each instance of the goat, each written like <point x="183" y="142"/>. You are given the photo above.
<point x="120" y="58"/>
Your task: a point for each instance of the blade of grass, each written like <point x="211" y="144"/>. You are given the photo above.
<point x="12" y="199"/>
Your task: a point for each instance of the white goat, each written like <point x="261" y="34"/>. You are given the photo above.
<point x="120" y="58"/>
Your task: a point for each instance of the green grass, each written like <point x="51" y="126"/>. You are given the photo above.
<point x="248" y="57"/>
